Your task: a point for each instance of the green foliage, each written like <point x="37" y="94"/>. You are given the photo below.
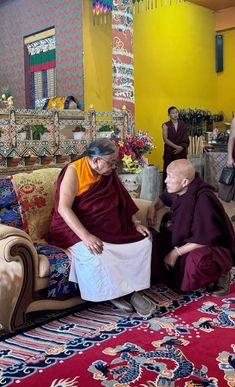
<point x="106" y="128"/>
<point x="36" y="130"/>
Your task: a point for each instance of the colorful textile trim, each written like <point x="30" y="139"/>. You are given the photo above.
<point x="100" y="7"/>
<point x="42" y="61"/>
<point x="43" y="66"/>
<point x="44" y="45"/>
<point x="9" y="208"/>
<point x="59" y="284"/>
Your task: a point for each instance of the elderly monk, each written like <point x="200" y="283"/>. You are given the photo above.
<point x="176" y="139"/>
<point x="198" y="246"/>
<point x="95" y="219"/>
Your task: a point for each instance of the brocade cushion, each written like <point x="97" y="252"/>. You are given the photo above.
<point x="35" y="194"/>
<point x="9" y="208"/>
<point x="59" y="284"/>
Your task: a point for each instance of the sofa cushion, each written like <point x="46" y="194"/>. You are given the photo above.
<point x="9" y="208"/>
<point x="59" y="267"/>
<point x="35" y="194"/>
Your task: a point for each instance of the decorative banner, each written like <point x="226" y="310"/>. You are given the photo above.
<point x="43" y="45"/>
<point x="122" y="59"/>
<point x="103" y="7"/>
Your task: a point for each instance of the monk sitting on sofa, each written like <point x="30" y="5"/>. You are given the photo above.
<point x="94" y="218"/>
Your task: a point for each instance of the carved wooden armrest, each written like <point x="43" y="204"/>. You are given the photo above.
<point x="18" y="265"/>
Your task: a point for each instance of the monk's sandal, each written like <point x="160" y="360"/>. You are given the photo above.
<point x="143" y="305"/>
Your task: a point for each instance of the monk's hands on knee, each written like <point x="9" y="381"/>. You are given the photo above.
<point x="151" y="215"/>
<point x="170" y="259"/>
<point x="94" y="244"/>
<point x="144" y="231"/>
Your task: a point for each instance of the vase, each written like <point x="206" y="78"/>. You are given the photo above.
<point x="132" y="183"/>
<point x="151" y="182"/>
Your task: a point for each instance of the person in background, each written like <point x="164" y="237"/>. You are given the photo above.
<point x="231" y="151"/>
<point x="95" y="219"/>
<point x="176" y="139"/>
<point x="197" y="248"/>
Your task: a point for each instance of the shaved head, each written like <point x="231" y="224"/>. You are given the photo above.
<point x="182" y="168"/>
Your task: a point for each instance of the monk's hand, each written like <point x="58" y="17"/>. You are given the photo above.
<point x="151" y="215"/>
<point x="170" y="259"/>
<point x="143" y="230"/>
<point x="178" y="149"/>
<point x="93" y="244"/>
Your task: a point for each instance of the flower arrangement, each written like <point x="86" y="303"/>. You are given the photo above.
<point x="132" y="150"/>
<point x="6" y="98"/>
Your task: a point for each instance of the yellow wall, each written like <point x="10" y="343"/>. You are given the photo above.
<point x="226" y="81"/>
<point x="174" y="64"/>
<point x="97" y="45"/>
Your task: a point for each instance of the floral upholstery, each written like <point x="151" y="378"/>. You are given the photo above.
<point x="9" y="208"/>
<point x="35" y="193"/>
<point x="26" y="202"/>
<point x="59" y="284"/>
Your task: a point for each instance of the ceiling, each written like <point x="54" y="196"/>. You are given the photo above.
<point x="215" y="5"/>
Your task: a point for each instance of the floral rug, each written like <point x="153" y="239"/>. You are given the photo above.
<point x="189" y="341"/>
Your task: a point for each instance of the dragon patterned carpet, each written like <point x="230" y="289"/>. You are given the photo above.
<point x="189" y="341"/>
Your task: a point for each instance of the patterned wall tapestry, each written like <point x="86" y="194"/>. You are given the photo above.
<point x="122" y="57"/>
<point x="20" y="18"/>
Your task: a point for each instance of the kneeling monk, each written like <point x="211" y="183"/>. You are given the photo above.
<point x="197" y="246"/>
<point x="94" y="218"/>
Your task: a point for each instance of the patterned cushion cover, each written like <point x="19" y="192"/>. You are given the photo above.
<point x="59" y="284"/>
<point x="35" y="193"/>
<point x="9" y="208"/>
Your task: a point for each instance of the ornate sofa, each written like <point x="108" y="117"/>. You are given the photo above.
<point x="33" y="274"/>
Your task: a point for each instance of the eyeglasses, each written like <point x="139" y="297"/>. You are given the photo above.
<point x="109" y="163"/>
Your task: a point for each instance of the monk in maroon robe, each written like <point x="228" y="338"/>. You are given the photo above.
<point x="94" y="218"/>
<point x="197" y="247"/>
<point x="176" y="139"/>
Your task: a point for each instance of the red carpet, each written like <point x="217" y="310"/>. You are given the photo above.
<point x="190" y="341"/>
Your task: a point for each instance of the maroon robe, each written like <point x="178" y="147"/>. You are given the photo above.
<point x="179" y="137"/>
<point x="198" y="217"/>
<point x="105" y="210"/>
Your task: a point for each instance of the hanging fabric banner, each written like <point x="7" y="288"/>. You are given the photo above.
<point x="122" y="59"/>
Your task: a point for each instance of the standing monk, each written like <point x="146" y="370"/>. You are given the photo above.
<point x="176" y="140"/>
<point x="197" y="247"/>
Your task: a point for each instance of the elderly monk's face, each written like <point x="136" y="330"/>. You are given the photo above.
<point x="175" y="183"/>
<point x="106" y="164"/>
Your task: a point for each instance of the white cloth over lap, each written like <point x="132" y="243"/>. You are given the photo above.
<point x="119" y="270"/>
